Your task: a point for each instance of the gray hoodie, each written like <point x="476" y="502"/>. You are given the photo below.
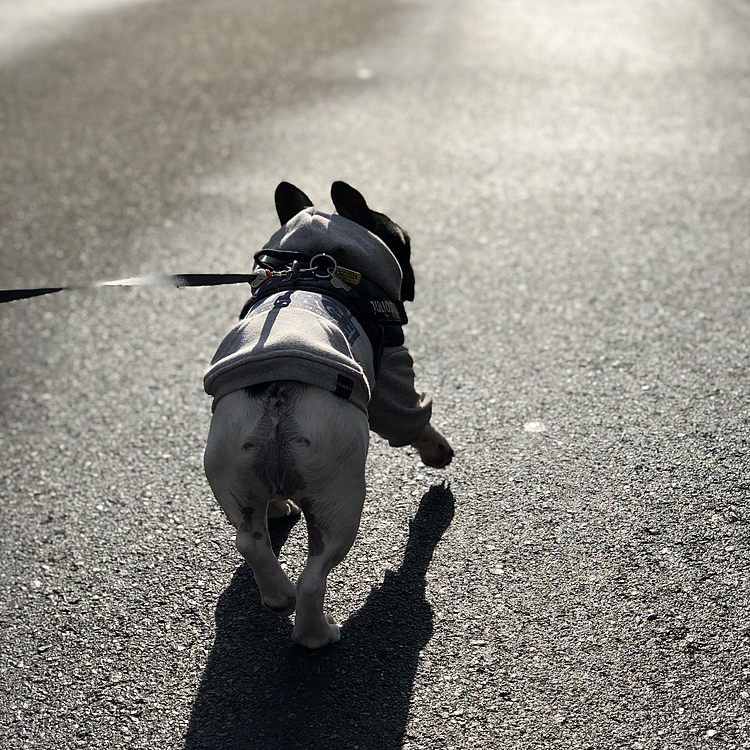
<point x="302" y="336"/>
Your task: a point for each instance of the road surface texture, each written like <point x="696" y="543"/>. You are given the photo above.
<point x="576" y="180"/>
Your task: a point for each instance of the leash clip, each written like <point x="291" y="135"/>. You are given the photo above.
<point x="261" y="278"/>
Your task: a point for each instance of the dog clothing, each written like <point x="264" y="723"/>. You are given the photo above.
<point x="302" y="336"/>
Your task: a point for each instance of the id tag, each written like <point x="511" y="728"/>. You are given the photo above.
<point x="339" y="284"/>
<point x="350" y="277"/>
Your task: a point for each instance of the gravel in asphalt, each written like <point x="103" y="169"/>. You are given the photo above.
<point x="575" y="179"/>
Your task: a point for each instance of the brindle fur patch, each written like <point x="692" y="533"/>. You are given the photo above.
<point x="276" y="432"/>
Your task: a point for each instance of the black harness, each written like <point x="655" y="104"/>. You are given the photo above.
<point x="381" y="317"/>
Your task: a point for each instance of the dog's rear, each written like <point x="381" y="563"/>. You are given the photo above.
<point x="277" y="448"/>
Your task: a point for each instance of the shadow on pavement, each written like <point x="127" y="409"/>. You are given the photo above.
<point x="259" y="690"/>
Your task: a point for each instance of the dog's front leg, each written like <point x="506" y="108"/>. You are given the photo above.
<point x="254" y="544"/>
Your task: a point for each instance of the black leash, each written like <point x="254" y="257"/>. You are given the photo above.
<point x="177" y="280"/>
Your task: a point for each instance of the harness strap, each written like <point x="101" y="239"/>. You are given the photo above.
<point x="381" y="318"/>
<point x="386" y="310"/>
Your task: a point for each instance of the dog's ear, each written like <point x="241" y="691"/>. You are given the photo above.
<point x="351" y="205"/>
<point x="290" y="200"/>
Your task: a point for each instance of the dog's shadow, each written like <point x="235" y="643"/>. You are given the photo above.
<point x="258" y="690"/>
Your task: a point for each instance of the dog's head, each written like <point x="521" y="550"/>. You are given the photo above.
<point x="350" y="204"/>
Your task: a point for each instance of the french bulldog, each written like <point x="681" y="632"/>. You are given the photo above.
<point x="316" y="362"/>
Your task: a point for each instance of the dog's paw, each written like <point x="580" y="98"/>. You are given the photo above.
<point x="283" y="508"/>
<point x="281" y="605"/>
<point x="325" y="636"/>
<point x="436" y="455"/>
<point x="433" y="448"/>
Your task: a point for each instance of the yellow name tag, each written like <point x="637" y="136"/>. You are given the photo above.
<point x="350" y="277"/>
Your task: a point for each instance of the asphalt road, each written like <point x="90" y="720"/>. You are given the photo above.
<point x="576" y="180"/>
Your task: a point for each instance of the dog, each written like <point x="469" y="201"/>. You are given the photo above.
<point x="299" y="383"/>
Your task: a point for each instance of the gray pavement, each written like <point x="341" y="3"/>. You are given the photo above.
<point x="576" y="179"/>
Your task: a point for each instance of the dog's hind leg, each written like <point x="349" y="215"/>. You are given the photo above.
<point x="228" y="462"/>
<point x="332" y="523"/>
<point x="333" y="468"/>
<point x="254" y="543"/>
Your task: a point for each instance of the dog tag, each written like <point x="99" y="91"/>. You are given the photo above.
<point x="349" y="276"/>
<point x="339" y="284"/>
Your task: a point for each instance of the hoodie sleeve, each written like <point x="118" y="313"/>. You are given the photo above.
<point x="397" y="411"/>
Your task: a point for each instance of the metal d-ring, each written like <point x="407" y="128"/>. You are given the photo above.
<point x="330" y="271"/>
